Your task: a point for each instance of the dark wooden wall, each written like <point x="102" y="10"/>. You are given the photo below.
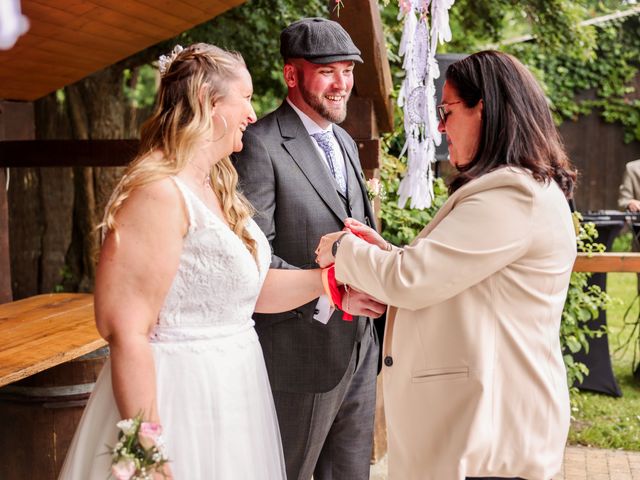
<point x="598" y="150"/>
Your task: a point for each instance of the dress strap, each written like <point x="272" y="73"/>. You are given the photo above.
<point x="186" y="195"/>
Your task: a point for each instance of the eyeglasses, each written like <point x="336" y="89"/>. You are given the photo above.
<point x="442" y="111"/>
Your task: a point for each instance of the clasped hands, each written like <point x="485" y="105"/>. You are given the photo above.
<point x="354" y="302"/>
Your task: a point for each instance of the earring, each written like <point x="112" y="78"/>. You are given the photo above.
<point x="224" y="121"/>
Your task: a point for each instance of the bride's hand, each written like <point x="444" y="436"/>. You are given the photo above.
<point x="366" y="233"/>
<point x="164" y="473"/>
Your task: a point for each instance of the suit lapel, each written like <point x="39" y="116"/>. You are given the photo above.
<point x="297" y="142"/>
<point x="359" y="188"/>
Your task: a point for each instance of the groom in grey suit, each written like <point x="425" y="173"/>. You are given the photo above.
<point x="302" y="174"/>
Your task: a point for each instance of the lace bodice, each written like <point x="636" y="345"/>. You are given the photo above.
<point x="218" y="280"/>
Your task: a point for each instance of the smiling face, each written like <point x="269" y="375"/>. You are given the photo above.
<point x="320" y="91"/>
<point x="236" y="109"/>
<point x="462" y="125"/>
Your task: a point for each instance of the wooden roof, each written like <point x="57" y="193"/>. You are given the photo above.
<point x="70" y="39"/>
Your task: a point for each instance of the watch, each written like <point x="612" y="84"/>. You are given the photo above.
<point x="336" y="244"/>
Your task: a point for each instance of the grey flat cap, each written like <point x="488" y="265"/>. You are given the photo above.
<point x="318" y="40"/>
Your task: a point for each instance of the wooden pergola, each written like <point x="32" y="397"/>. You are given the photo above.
<point x="67" y="41"/>
<point x="71" y="39"/>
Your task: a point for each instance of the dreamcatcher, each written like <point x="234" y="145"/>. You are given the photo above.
<point x="425" y="23"/>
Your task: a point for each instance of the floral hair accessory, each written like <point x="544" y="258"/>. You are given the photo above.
<point x="139" y="451"/>
<point x="164" y="62"/>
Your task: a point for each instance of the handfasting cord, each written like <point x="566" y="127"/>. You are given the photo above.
<point x="335" y="292"/>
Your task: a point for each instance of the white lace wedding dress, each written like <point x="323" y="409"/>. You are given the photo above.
<point x="214" y="397"/>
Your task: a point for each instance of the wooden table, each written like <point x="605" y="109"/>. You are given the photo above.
<point x="41" y="332"/>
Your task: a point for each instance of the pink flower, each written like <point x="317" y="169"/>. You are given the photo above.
<point x="124" y="469"/>
<point x="149" y="434"/>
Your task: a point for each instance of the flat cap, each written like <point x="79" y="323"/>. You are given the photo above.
<point x="318" y="40"/>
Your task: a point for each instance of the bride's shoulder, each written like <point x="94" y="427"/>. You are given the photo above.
<point x="158" y="201"/>
<point x="161" y="191"/>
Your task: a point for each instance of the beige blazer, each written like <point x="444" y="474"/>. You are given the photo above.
<point x="474" y="382"/>
<point x="630" y="186"/>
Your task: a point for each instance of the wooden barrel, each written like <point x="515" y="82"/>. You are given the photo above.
<point x="39" y="415"/>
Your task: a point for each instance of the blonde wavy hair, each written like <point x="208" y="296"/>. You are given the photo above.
<point x="194" y="80"/>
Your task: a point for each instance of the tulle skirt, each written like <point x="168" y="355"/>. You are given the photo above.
<point x="215" y="403"/>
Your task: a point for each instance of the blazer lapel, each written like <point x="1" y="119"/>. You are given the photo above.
<point x="297" y="142"/>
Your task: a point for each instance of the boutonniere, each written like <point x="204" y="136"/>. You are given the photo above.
<point x="375" y="189"/>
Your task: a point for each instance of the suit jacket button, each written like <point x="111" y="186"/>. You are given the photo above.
<point x="388" y="361"/>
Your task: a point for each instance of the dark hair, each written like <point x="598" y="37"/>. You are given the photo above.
<point x="517" y="126"/>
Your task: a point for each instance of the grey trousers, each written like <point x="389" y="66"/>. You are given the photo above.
<point x="329" y="435"/>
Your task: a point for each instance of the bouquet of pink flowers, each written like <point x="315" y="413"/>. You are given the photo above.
<point x="139" y="451"/>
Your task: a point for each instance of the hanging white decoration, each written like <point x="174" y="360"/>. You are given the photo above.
<point x="417" y="94"/>
<point x="12" y="23"/>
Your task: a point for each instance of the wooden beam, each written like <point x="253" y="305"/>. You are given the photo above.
<point x="361" y="119"/>
<point x="607" y="262"/>
<point x="361" y="18"/>
<point x="67" y="153"/>
<point x="369" y="152"/>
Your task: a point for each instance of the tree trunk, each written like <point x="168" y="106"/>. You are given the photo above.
<point x="54" y="212"/>
<point x="96" y="107"/>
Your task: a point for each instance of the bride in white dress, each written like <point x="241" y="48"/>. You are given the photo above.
<point x="181" y="271"/>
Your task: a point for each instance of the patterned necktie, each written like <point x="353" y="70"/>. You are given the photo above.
<point x="327" y="146"/>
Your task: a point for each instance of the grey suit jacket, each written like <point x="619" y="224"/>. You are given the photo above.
<point x="295" y="196"/>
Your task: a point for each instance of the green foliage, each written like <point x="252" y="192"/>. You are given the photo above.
<point x="604" y="83"/>
<point x="599" y="420"/>
<point x="583" y="304"/>
<point x="584" y="68"/>
<point x="140" y="86"/>
<point x="554" y="24"/>
<point x="253" y="29"/>
<point x="66" y="278"/>
<point x="622" y="243"/>
<point x="401" y="225"/>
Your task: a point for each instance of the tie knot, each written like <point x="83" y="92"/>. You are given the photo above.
<point x="323" y="139"/>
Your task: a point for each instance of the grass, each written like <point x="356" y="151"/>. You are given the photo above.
<point x="603" y="421"/>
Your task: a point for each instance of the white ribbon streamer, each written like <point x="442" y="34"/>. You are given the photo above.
<point x="12" y="23"/>
<point x="417" y="94"/>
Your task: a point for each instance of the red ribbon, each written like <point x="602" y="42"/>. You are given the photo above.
<point x="334" y="291"/>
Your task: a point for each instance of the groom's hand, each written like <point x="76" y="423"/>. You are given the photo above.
<point x="360" y="304"/>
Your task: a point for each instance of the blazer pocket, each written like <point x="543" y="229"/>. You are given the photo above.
<point x="440" y="374"/>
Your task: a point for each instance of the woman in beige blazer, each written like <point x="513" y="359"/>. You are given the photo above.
<point x="474" y="381"/>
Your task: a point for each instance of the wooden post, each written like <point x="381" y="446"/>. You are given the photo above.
<point x="5" y="264"/>
<point x="370" y="111"/>
<point x="361" y="18"/>
<point x="16" y="123"/>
